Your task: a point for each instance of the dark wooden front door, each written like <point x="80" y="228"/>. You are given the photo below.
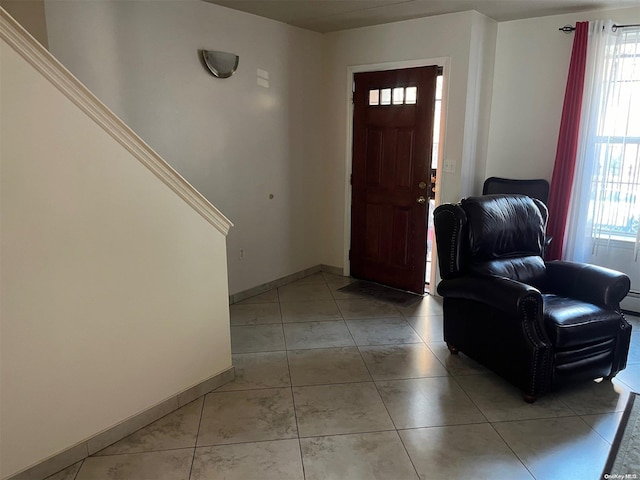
<point x="392" y="144"/>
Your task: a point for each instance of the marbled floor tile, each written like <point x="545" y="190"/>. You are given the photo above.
<point x="247" y="416"/>
<point x="630" y="376"/>
<point x="500" y="401"/>
<point x="317" y="335"/>
<point x="337" y="281"/>
<point x="363" y="308"/>
<point x="338" y="295"/>
<point x="68" y="473"/>
<point x="255" y="314"/>
<point x="269" y="296"/>
<point x="334" y="409"/>
<point x="634" y="321"/>
<point x="273" y="460"/>
<point x="429" y="305"/>
<point x="310" y="311"/>
<point x="364" y="456"/>
<point x="327" y="365"/>
<point x="304" y="292"/>
<point x="165" y="465"/>
<point x="393" y="362"/>
<point x="606" y="424"/>
<point x="257" y="338"/>
<point x="462" y="451"/>
<point x="173" y="431"/>
<point x="428" y="402"/>
<point x="317" y="277"/>
<point x="591" y="397"/>
<point x="382" y="331"/>
<point x="554" y="448"/>
<point x="455" y="364"/>
<point x="430" y="328"/>
<point x="258" y="370"/>
<point x="633" y="358"/>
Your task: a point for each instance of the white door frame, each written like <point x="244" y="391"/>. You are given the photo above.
<point x="443" y="62"/>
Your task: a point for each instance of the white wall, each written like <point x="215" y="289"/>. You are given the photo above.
<point x="114" y="290"/>
<point x="531" y="68"/>
<point x="235" y="141"/>
<point x="478" y="109"/>
<point x="465" y="40"/>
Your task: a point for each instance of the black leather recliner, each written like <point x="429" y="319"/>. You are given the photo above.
<point x="536" y="323"/>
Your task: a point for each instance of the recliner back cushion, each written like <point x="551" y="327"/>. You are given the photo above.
<point x="506" y="236"/>
<point x="504" y="226"/>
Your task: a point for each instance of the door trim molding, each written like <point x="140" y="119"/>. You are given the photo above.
<point x="443" y="62"/>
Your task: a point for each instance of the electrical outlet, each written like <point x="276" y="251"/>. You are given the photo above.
<point x="241" y="254"/>
<point x="450" y="166"/>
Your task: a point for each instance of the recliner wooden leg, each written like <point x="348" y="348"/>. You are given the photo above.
<point x="452" y="349"/>
<point x="528" y="398"/>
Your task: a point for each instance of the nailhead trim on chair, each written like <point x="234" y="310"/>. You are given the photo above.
<point x="536" y="350"/>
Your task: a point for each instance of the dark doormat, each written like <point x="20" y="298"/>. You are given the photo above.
<point x="382" y="293"/>
<point x="624" y="457"/>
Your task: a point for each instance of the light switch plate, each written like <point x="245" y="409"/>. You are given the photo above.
<point x="450" y="166"/>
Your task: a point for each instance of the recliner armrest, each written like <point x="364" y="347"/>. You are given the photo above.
<point x="589" y="283"/>
<point x="498" y="292"/>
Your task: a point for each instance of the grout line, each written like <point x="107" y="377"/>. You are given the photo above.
<point x="295" y="413"/>
<point x="598" y="433"/>
<point x="512" y="450"/>
<point x="332" y="384"/>
<point x="416" y="332"/>
<point x="343" y="434"/>
<point x="78" y="471"/>
<point x="438" y="358"/>
<point x="389" y="413"/>
<point x="534" y="419"/>
<point x="210" y="445"/>
<point x="377" y="390"/>
<point x="407" y="452"/>
<point x="144" y="452"/>
<point x="469" y="398"/>
<point x="449" y="425"/>
<point x="195" y="446"/>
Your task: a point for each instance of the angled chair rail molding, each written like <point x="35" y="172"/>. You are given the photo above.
<point x="538" y="324"/>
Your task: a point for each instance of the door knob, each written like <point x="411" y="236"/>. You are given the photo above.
<point x="421" y="200"/>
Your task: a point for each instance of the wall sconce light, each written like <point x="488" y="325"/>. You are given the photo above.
<point x="220" y="64"/>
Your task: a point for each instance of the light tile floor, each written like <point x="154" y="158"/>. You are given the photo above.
<point x="331" y="386"/>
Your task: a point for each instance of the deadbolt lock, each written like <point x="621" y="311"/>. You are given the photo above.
<point x="422" y="185"/>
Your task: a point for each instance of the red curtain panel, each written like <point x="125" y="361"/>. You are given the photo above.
<point x="564" y="166"/>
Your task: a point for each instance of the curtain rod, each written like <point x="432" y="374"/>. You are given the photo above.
<point x="569" y="28"/>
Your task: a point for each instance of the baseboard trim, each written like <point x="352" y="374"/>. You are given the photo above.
<point x="332" y="270"/>
<point x="631" y="303"/>
<point x="103" y="439"/>
<point x="265" y="287"/>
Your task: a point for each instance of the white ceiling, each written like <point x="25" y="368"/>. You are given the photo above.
<point x="332" y="15"/>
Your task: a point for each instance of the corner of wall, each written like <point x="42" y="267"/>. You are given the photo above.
<point x="31" y="15"/>
<point x="479" y="93"/>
